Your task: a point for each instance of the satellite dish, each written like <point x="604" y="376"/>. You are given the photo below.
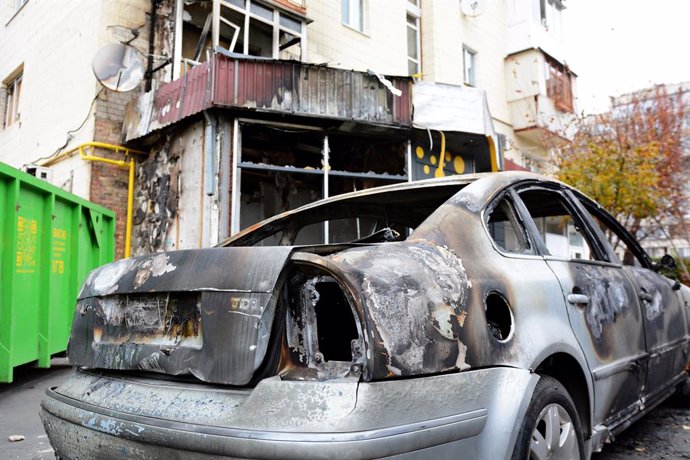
<point x="118" y="67"/>
<point x="472" y="8"/>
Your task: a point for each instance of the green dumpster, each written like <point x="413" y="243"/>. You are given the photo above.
<point x="49" y="241"/>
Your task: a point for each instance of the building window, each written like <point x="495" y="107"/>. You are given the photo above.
<point x="242" y="26"/>
<point x="548" y="13"/>
<point x="469" y="65"/>
<point x="413" y="51"/>
<point x="353" y="14"/>
<point x="558" y="85"/>
<point x="13" y="90"/>
<point x="283" y="167"/>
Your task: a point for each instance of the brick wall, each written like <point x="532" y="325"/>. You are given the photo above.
<point x="109" y="182"/>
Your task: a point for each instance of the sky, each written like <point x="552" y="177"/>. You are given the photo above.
<point x="618" y="46"/>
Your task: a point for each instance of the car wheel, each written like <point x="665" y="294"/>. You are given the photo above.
<point x="551" y="428"/>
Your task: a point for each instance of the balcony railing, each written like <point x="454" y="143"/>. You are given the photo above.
<point x="273" y="86"/>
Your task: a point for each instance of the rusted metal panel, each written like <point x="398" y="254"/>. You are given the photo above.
<point x="224" y="76"/>
<point x="182" y="98"/>
<point x="272" y="86"/>
<point x="310" y="90"/>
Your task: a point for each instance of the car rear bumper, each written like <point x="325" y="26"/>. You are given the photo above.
<point x="93" y="416"/>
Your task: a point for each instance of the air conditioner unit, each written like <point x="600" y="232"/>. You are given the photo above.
<point x="39" y="171"/>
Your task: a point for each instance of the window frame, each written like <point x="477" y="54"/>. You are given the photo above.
<point x="325" y="173"/>
<point x="469" y="74"/>
<point x="591" y="209"/>
<point x="414" y="14"/>
<point x="559" y="84"/>
<point x="515" y="203"/>
<point x="274" y="23"/>
<point x="548" y="14"/>
<point x="218" y="12"/>
<point x="417" y="62"/>
<point x="348" y="13"/>
<point x="581" y="220"/>
<point x="19" y="4"/>
<point x="13" y="92"/>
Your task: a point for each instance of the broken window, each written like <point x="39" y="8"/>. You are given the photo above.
<point x="558" y="228"/>
<point x="617" y="241"/>
<point x="240" y="26"/>
<point x="283" y="168"/>
<point x="280" y="170"/>
<point x="506" y="229"/>
<point x="558" y="85"/>
<point x="13" y="89"/>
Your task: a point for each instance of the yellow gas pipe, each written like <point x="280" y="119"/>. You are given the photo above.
<point x="121" y="163"/>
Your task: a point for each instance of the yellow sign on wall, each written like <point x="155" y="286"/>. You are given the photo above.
<point x="433" y="166"/>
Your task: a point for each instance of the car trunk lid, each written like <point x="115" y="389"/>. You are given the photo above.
<point x="205" y="312"/>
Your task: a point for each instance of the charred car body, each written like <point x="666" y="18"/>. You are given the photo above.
<point x="484" y="316"/>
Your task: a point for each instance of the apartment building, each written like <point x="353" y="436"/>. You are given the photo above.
<point x="50" y="101"/>
<point x="252" y="107"/>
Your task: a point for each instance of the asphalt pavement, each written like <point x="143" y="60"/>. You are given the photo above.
<point x="19" y="406"/>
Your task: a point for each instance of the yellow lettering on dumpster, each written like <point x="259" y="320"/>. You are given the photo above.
<point x="27" y="238"/>
<point x="57" y="251"/>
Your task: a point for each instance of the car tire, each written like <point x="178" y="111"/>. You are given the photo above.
<point x="551" y="410"/>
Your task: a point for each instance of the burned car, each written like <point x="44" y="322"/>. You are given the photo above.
<point x="478" y="316"/>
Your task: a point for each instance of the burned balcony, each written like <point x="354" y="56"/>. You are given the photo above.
<point x="273" y="86"/>
<point x="540" y="96"/>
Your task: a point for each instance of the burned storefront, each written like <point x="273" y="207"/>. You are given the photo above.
<point x="237" y="139"/>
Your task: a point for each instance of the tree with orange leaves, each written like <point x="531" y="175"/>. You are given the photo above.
<point x="633" y="160"/>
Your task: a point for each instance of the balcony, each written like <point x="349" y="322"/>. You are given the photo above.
<point x="540" y="96"/>
<point x="536" y="117"/>
<point x="272" y="86"/>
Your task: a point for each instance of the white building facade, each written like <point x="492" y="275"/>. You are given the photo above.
<point x="502" y="59"/>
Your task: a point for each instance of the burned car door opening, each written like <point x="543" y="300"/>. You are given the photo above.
<point x="444" y="318"/>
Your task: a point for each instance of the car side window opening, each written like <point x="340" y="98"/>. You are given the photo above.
<point x="506" y="230"/>
<point x="613" y="237"/>
<point x="558" y="228"/>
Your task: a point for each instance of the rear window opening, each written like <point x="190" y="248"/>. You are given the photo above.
<point x="344" y="220"/>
